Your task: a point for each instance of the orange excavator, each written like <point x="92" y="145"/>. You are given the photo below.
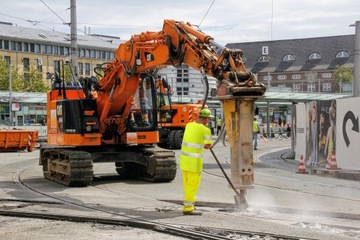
<point x="113" y="118"/>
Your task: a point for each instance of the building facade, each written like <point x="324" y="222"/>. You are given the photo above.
<point x="300" y="65"/>
<point x="24" y="48"/>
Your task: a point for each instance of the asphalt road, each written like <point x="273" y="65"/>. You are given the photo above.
<point x="281" y="201"/>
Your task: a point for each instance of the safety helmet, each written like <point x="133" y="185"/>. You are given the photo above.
<point x="205" y="113"/>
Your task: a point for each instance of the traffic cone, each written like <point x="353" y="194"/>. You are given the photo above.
<point x="332" y="162"/>
<point x="301" y="168"/>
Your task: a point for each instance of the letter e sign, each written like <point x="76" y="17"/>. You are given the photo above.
<point x="265" y="50"/>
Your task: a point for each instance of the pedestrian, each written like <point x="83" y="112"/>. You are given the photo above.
<point x="197" y="136"/>
<point x="218" y="126"/>
<point x="256" y="130"/>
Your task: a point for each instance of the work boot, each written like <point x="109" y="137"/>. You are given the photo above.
<point x="193" y="213"/>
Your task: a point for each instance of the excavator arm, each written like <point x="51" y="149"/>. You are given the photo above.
<point x="177" y="43"/>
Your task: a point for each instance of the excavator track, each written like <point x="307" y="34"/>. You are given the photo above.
<point x="161" y="165"/>
<point x="69" y="167"/>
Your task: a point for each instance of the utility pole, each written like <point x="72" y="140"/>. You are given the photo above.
<point x="10" y="97"/>
<point x="356" y="82"/>
<point x="73" y="37"/>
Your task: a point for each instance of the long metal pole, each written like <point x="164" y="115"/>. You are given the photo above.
<point x="356" y="82"/>
<point x="73" y="26"/>
<point x="10" y="96"/>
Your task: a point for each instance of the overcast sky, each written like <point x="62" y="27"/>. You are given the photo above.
<point x="227" y="21"/>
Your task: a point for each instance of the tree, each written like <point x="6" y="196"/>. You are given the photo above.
<point x="342" y="75"/>
<point x="4" y="76"/>
<point x="30" y="81"/>
<point x="33" y="82"/>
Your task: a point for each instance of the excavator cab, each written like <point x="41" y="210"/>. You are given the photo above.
<point x="143" y="113"/>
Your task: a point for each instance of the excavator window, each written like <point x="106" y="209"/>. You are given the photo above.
<point x="143" y="111"/>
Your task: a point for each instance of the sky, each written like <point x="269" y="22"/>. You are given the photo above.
<point x="227" y="21"/>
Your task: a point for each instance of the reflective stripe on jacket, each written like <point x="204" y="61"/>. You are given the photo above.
<point x="192" y="148"/>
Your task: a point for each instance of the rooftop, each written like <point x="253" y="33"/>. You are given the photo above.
<point x="33" y="35"/>
<point x="321" y="53"/>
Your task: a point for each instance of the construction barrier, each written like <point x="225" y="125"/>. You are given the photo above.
<point x="301" y="168"/>
<point x="17" y="139"/>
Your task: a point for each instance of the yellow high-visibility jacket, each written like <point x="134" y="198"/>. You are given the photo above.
<point x="255" y="126"/>
<point x="192" y="148"/>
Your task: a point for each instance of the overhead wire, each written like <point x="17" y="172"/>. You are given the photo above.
<point x="64" y="22"/>
<point x="206" y="13"/>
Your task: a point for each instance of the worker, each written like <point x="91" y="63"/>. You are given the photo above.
<point x="197" y="136"/>
<point x="256" y="130"/>
<point x="218" y="126"/>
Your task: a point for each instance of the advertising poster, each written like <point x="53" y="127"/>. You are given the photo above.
<point x="326" y="132"/>
<point x="348" y="133"/>
<point x="311" y="133"/>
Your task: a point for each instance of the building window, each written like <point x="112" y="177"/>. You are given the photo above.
<point x="49" y="49"/>
<point x="87" y="68"/>
<point x="56" y="66"/>
<point x="26" y="64"/>
<point x="179" y="79"/>
<point x="39" y="64"/>
<point x="342" y="54"/>
<point x="297" y="87"/>
<point x="326" y="87"/>
<point x="7" y="59"/>
<point x="6" y="44"/>
<point x="87" y="53"/>
<point x="185" y="80"/>
<point x="66" y="51"/>
<point x="12" y="45"/>
<point x="81" y="68"/>
<point x="186" y="90"/>
<point x="264" y="59"/>
<point x="179" y="91"/>
<point x="19" y="46"/>
<point x="311" y="87"/>
<point x="103" y="55"/>
<point x="43" y="48"/>
<point x="93" y="53"/>
<point x="26" y="47"/>
<point x="289" y="58"/>
<point x="56" y="50"/>
<point x="37" y="48"/>
<point x="1" y="45"/>
<point x="32" y="47"/>
<point x="314" y="55"/>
